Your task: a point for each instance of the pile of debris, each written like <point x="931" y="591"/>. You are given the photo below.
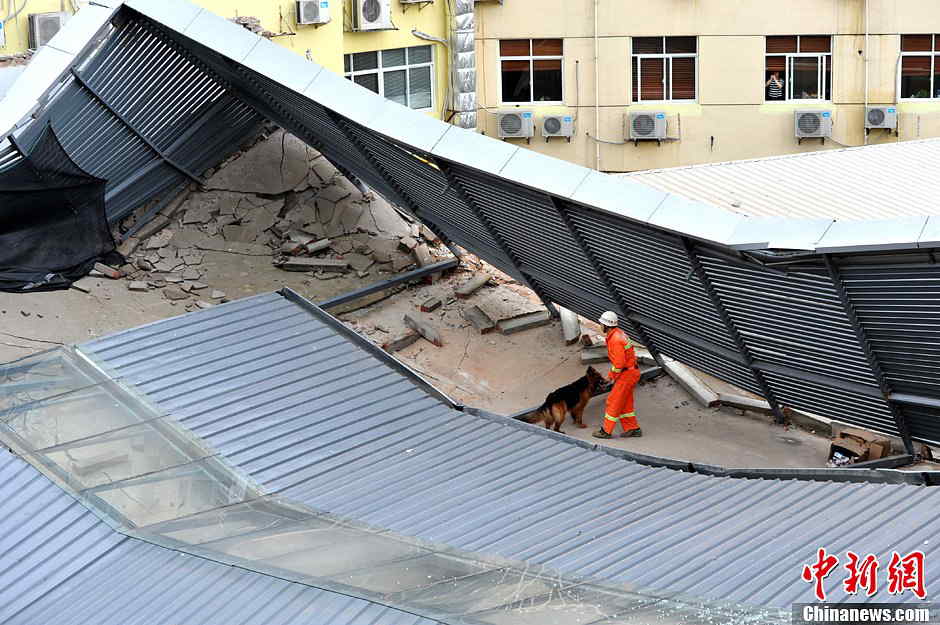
<point x="253" y="24"/>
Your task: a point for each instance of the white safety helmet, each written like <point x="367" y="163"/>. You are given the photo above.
<point x="609" y="319"/>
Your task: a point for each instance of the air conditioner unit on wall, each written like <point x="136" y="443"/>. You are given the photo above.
<point x="557" y="126"/>
<point x="645" y="125"/>
<point x="515" y="124"/>
<point x="43" y="27"/>
<point x="372" y="15"/>
<point x="416" y="1"/>
<point x="313" y="11"/>
<point x="812" y="124"/>
<point x="881" y="117"/>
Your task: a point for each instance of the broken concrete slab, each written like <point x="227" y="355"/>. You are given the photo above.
<point x="383" y="250"/>
<point x="109" y="272"/>
<point x="204" y="305"/>
<point x="85" y="285"/>
<point x="401" y="340"/>
<point x="138" y="285"/>
<point x="143" y="264"/>
<point x="479" y="319"/>
<point x="594" y="355"/>
<point x="239" y="234"/>
<point x="429" y="235"/>
<point x="273" y="166"/>
<point x="570" y="325"/>
<point x="358" y="262"/>
<point x="161" y="239"/>
<point x="315" y="247"/>
<point x="191" y="274"/>
<point x="687" y="379"/>
<point x="524" y="322"/>
<point x="432" y="304"/>
<point x="193" y="259"/>
<point x="422" y="255"/>
<point x="745" y="403"/>
<point x="425" y="329"/>
<point x="197" y="215"/>
<point x="173" y="278"/>
<point x="217" y="294"/>
<point x="402" y="262"/>
<point x="406" y="244"/>
<point x="472" y="285"/>
<point x="127" y="247"/>
<point x="173" y="293"/>
<point x="314" y="264"/>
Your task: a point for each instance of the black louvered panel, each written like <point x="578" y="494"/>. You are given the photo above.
<point x="796" y="319"/>
<point x="864" y="411"/>
<point x="652" y="274"/>
<point x="711" y="363"/>
<point x="899" y="308"/>
<point x="923" y="423"/>
<point x="535" y="233"/>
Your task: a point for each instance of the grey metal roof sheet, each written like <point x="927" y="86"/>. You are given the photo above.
<point x="313" y="416"/>
<point x="63" y="565"/>
<point x="860" y="183"/>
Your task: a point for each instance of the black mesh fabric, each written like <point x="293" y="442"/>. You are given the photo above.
<point x="53" y="227"/>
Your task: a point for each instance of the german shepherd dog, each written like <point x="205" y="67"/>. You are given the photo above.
<point x="568" y="399"/>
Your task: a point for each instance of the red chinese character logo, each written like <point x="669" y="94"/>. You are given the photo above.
<point x="819" y="570"/>
<point x="907" y="573"/>
<point x="862" y="574"/>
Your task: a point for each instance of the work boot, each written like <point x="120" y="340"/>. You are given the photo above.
<point x="601" y="434"/>
<point x="632" y="433"/>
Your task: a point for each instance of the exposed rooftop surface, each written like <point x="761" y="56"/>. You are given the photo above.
<point x="861" y="183"/>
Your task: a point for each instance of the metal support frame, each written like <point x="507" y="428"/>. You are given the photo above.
<point x="699" y="270"/>
<point x="870" y="355"/>
<point x="136" y="131"/>
<point x="462" y="193"/>
<point x="421" y="272"/>
<point x="413" y="206"/>
<point x="615" y="295"/>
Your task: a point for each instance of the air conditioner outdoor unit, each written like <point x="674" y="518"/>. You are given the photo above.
<point x="313" y="11"/>
<point x="811" y="124"/>
<point x="881" y="117"/>
<point x="372" y="15"/>
<point x="557" y="126"/>
<point x="515" y="124"/>
<point x="416" y="1"/>
<point x="645" y="125"/>
<point x="43" y="27"/>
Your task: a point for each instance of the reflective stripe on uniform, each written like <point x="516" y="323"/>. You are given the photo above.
<point x="628" y="344"/>
<point x="627" y="415"/>
<point x="615" y="369"/>
<point x="610" y="418"/>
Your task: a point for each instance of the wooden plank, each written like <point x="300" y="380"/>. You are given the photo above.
<point x="425" y="329"/>
<point x="471" y="286"/>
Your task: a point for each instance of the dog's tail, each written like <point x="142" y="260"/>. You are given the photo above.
<point x="536" y="415"/>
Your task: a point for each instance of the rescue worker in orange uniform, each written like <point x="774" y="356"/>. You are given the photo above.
<point x="625" y="374"/>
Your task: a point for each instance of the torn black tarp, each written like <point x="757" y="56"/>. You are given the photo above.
<point x="53" y="227"/>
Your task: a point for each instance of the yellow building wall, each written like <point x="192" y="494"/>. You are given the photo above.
<point x="326" y="43"/>
<point x="730" y="119"/>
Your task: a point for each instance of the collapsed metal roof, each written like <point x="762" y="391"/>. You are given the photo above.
<point x="264" y="435"/>
<point x="861" y="183"/>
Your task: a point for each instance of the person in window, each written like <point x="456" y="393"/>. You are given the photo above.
<point x="774" y="87"/>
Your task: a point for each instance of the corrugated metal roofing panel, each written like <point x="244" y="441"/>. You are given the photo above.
<point x="327" y="423"/>
<point x="872" y="182"/>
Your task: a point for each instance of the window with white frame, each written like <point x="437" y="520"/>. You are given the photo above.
<point x="404" y="75"/>
<point x="920" y="67"/>
<point x="531" y="71"/>
<point x="664" y="68"/>
<point x="798" y="67"/>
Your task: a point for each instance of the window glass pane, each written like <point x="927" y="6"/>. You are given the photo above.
<point x="815" y="43"/>
<point x="636" y="80"/>
<point x="515" y="81"/>
<point x="365" y="60"/>
<point x="395" y="85"/>
<point x="347" y="62"/>
<point x="781" y="44"/>
<point x="827" y="60"/>
<point x="647" y="45"/>
<point x="514" y="47"/>
<point x="805" y="76"/>
<point x="680" y="44"/>
<point x="683" y="78"/>
<point x="369" y="81"/>
<point x="419" y="54"/>
<point x="651" y="79"/>
<point x="546" y="47"/>
<point x="936" y="76"/>
<point x="419" y="87"/>
<point x="547" y="86"/>
<point x="393" y="58"/>
<point x="915" y="77"/>
<point x="775" y="84"/>
<point x="916" y="43"/>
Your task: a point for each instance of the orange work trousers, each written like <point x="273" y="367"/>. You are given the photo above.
<point x="619" y="405"/>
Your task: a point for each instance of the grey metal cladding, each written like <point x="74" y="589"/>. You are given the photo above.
<point x="63" y="565"/>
